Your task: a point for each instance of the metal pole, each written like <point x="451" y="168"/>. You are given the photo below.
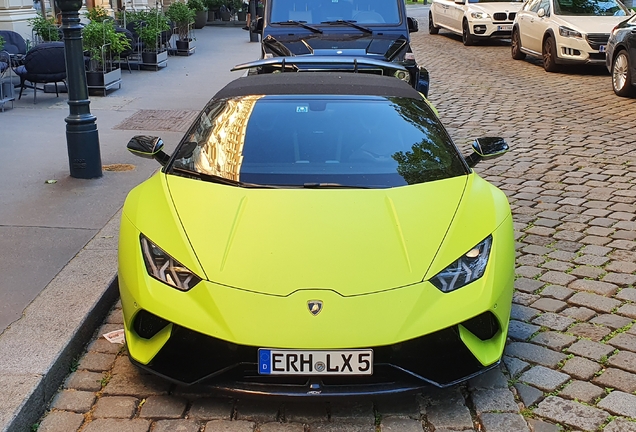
<point x="82" y="139"/>
<point x="252" y="11"/>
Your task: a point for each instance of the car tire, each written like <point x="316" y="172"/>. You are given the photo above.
<point x="549" y="55"/>
<point x="515" y="46"/>
<point x="467" y="38"/>
<point x="621" y="79"/>
<point x="432" y="29"/>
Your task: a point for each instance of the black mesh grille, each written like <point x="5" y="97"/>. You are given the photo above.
<point x="500" y="16"/>
<point x="190" y="357"/>
<point x="147" y="325"/>
<point x="597" y="39"/>
<point x="484" y="326"/>
<point x="511" y="16"/>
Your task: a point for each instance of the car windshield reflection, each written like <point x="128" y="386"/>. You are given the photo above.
<point x="295" y="141"/>
<point x="315" y="12"/>
<point x="590" y="8"/>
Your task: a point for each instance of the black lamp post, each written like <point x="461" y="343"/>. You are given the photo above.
<point x="252" y="10"/>
<point x="82" y="139"/>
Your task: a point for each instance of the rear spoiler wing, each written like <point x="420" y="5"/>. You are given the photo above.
<point x="324" y="63"/>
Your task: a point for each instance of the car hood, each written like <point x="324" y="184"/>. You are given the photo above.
<point x="590" y="24"/>
<point x="351" y="241"/>
<point x="384" y="47"/>
<point x="493" y="7"/>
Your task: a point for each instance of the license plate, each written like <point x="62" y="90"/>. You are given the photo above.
<point x="602" y="48"/>
<point x="302" y="362"/>
<point x="504" y="28"/>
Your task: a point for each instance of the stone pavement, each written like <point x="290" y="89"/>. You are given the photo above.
<point x="570" y="363"/>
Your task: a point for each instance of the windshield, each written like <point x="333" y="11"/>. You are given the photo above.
<point x="590" y="8"/>
<point x="316" y="141"/>
<point x="319" y="11"/>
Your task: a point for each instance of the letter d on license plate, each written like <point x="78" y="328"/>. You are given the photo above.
<point x="301" y="362"/>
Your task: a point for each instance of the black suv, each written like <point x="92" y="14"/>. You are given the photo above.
<point x="370" y="36"/>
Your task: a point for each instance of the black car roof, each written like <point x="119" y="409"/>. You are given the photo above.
<point x="327" y="83"/>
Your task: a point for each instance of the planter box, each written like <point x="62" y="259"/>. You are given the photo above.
<point x="201" y="19"/>
<point x="183" y="48"/>
<point x="151" y="58"/>
<point x="104" y="80"/>
<point x="6" y="92"/>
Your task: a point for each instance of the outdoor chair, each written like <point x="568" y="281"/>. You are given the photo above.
<point x="135" y="45"/>
<point x="13" y="42"/>
<point x="44" y="63"/>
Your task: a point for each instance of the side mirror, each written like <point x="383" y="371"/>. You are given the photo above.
<point x="487" y="148"/>
<point x="541" y="13"/>
<point x="149" y="147"/>
<point x="414" y="26"/>
<point x="259" y="25"/>
<point x="460" y="1"/>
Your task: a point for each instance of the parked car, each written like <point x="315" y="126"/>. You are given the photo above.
<point x="316" y="234"/>
<point x="474" y="20"/>
<point x="620" y="59"/>
<point x="355" y="31"/>
<point x="565" y="31"/>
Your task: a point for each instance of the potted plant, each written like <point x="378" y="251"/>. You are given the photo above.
<point x="150" y="25"/>
<point x="97" y="14"/>
<point x="182" y="16"/>
<point x="226" y="11"/>
<point x="241" y="12"/>
<point x="101" y="42"/>
<point x="201" y="13"/>
<point x="44" y="28"/>
<point x="214" y="9"/>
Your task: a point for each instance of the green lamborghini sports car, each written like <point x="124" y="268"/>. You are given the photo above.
<point x="316" y="234"/>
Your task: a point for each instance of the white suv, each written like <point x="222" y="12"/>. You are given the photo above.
<point x="565" y="31"/>
<point x="473" y="19"/>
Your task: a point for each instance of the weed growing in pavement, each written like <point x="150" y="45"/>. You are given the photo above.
<point x="35" y="427"/>
<point x="562" y="362"/>
<point x="105" y="379"/>
<point x="527" y="412"/>
<point x="74" y="364"/>
<point x="617" y="332"/>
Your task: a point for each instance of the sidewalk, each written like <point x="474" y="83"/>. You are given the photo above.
<point x="58" y="241"/>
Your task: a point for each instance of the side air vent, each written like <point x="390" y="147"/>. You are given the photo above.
<point x="146" y="325"/>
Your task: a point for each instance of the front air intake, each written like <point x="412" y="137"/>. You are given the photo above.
<point x="147" y="325"/>
<point x="484" y="326"/>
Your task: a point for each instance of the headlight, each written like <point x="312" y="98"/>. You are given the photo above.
<point x="479" y="15"/>
<point x="568" y="32"/>
<point x="163" y="267"/>
<point x="403" y="75"/>
<point x="468" y="268"/>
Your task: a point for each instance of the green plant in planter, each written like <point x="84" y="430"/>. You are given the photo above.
<point x="197" y="5"/>
<point x="149" y="25"/>
<point x="45" y="28"/>
<point x="98" y="14"/>
<point x="214" y="4"/>
<point x="182" y="16"/>
<point x="100" y="39"/>
<point x="1" y="43"/>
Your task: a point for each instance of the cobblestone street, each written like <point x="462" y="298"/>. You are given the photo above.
<point x="570" y="362"/>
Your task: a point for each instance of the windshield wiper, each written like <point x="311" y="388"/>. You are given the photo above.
<point x="222" y="180"/>
<point x="331" y="185"/>
<point x="302" y="24"/>
<point x="350" y="23"/>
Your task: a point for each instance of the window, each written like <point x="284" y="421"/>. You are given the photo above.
<point x="294" y="140"/>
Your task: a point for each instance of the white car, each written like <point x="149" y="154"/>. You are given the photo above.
<point x="473" y="19"/>
<point x="565" y="31"/>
